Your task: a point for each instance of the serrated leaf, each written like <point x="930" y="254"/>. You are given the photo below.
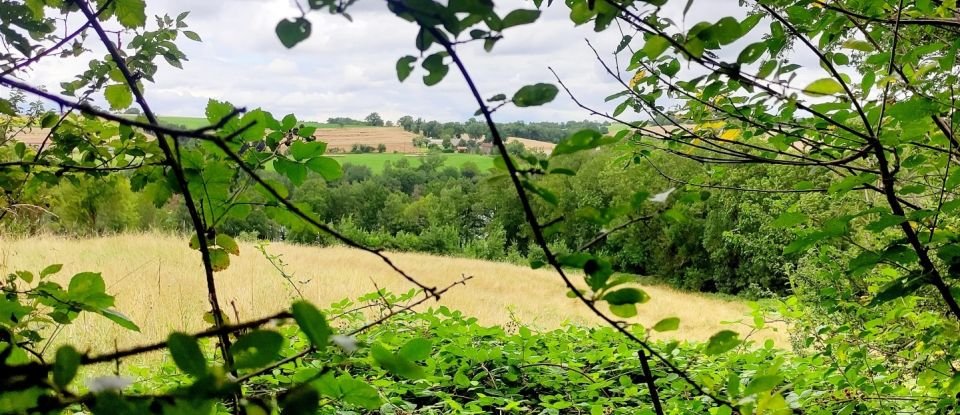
<point x="118" y="96"/>
<point x="130" y="13"/>
<point x="219" y="259"/>
<point x="228" y="244"/>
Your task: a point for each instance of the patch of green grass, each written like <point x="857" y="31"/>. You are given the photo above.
<point x="376" y="161"/>
<point x="187" y="122"/>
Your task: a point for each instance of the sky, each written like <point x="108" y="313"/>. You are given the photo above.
<point x="348" y="68"/>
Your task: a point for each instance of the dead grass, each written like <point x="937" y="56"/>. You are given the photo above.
<point x="158" y="282"/>
<point x="534" y="145"/>
<point x="395" y="138"/>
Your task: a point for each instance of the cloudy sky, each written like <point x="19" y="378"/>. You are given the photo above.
<point x="347" y="68"/>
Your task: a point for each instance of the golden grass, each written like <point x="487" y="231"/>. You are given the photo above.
<point x="395" y="138"/>
<point x="158" y="282"/>
<point x="534" y="145"/>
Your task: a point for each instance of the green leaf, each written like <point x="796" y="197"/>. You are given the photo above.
<point x="624" y="310"/>
<point x="289" y="121"/>
<point x="219" y="259"/>
<point x="49" y="120"/>
<point x="50" y="270"/>
<point x="861" y="45"/>
<point x="405" y="67"/>
<point x="326" y="167"/>
<point x="130" y="13"/>
<point x="86" y="285"/>
<point x="192" y="36"/>
<point x="436" y="68"/>
<point x="302" y="400"/>
<point x="655" y="46"/>
<point x="256" y="349"/>
<point x="291" y="32"/>
<point x="302" y="150"/>
<point x="900" y="287"/>
<point x="534" y="95"/>
<point x="348" y="390"/>
<point x="722" y="342"/>
<point x="118" y="96"/>
<point x="186" y="354"/>
<point x="121" y="319"/>
<point x="228" y="244"/>
<point x="788" y="219"/>
<point x="751" y="53"/>
<point x="7" y="108"/>
<point x="395" y="364"/>
<point x="667" y="324"/>
<point x="416" y="349"/>
<point x="626" y="296"/>
<point x="581" y="140"/>
<point x="823" y="87"/>
<point x="885" y="222"/>
<point x="66" y="365"/>
<point x="762" y="384"/>
<point x="312" y="323"/>
<point x="520" y="17"/>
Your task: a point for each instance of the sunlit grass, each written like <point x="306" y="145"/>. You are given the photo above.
<point x="158" y="282"/>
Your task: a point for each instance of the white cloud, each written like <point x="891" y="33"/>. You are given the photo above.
<point x="347" y="68"/>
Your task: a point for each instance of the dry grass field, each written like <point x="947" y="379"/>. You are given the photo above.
<point x="395" y="138"/>
<point x="534" y="144"/>
<point x="158" y="282"/>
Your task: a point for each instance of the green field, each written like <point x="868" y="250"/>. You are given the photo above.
<point x="376" y="161"/>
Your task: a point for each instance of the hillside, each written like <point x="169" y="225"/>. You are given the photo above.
<point x="158" y="282"/>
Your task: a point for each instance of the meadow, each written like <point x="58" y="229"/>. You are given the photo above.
<point x="157" y="280"/>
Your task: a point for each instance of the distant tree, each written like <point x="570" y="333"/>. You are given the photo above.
<point x="374" y="120"/>
<point x="419" y="141"/>
<point x="406" y="122"/>
<point x="132" y="111"/>
<point x="432" y="129"/>
<point x="381" y="148"/>
<point x="389" y="123"/>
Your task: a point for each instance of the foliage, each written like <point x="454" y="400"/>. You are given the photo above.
<point x="874" y="246"/>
